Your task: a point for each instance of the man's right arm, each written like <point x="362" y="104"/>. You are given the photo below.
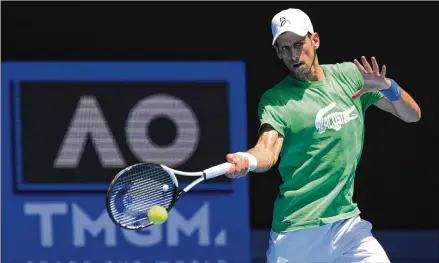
<point x="266" y="152"/>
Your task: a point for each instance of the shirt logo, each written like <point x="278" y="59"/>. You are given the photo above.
<point x="334" y="120"/>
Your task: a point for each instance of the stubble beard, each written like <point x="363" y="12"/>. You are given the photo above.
<point x="303" y="74"/>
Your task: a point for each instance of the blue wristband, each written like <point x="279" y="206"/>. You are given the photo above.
<point x="394" y="92"/>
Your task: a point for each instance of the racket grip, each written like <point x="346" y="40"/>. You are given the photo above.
<point x="217" y="170"/>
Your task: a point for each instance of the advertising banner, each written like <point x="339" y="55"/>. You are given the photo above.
<point x="69" y="127"/>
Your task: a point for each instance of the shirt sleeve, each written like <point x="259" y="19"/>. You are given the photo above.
<point x="271" y="112"/>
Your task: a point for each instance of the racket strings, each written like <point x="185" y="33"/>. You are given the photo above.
<point x="139" y="189"/>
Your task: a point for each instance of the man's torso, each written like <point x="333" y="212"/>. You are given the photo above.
<point x="323" y="129"/>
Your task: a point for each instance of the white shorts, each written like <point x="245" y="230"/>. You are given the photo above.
<point x="346" y="241"/>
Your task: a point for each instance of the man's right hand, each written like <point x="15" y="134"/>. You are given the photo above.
<point x="240" y="165"/>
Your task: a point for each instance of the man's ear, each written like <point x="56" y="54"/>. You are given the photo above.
<point x="315" y="40"/>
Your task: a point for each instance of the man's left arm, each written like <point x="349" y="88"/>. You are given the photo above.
<point x="396" y="100"/>
<point x="404" y="107"/>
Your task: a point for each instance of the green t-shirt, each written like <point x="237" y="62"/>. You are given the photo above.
<point x="323" y="129"/>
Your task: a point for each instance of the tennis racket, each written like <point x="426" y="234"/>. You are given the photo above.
<point x="137" y="188"/>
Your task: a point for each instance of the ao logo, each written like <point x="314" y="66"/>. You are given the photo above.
<point x="89" y="120"/>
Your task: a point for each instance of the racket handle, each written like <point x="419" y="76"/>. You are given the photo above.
<point x="217" y="170"/>
<point x="224" y="168"/>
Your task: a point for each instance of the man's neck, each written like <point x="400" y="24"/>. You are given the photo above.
<point x="316" y="74"/>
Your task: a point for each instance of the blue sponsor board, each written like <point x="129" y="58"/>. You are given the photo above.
<point x="67" y="128"/>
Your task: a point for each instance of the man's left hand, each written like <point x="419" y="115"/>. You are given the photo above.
<point x="373" y="79"/>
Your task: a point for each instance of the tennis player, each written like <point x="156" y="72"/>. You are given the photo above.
<point x="313" y="121"/>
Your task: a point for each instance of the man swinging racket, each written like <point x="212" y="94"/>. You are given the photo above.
<point x="314" y="119"/>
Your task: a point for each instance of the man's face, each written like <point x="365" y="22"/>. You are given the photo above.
<point x="297" y="53"/>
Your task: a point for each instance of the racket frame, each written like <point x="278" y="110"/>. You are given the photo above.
<point x="202" y="176"/>
<point x="176" y="195"/>
<point x="123" y="171"/>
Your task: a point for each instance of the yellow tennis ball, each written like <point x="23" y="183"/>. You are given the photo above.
<point x="158" y="214"/>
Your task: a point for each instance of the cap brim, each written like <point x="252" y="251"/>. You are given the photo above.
<point x="298" y="31"/>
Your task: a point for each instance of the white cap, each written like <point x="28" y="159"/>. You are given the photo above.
<point x="292" y="20"/>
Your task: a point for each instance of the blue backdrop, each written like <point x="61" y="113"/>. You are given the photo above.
<point x="59" y="221"/>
